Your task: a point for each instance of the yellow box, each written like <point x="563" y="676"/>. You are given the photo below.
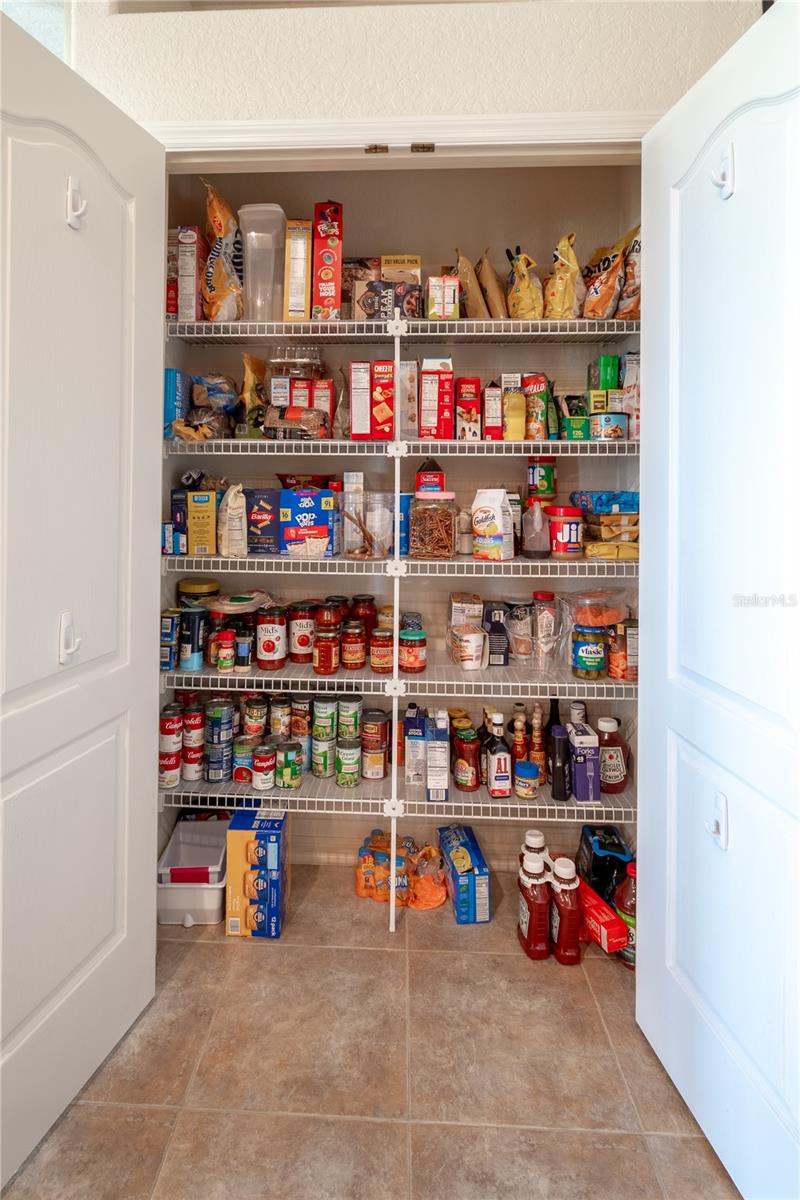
<point x="201" y="522"/>
<point x="401" y="268"/>
<point x="297" y="271"/>
<point x="597" y="401"/>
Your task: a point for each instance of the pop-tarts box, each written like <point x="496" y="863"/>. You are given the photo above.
<point x="259" y="875"/>
<point x="467" y="874"/>
<point x="307" y="513"/>
<point x="177" y="398"/>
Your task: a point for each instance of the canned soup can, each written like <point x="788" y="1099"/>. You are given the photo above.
<point x="375" y="729"/>
<point x="374" y="764"/>
<point x="170" y="728"/>
<point x="192" y="763"/>
<point x="264" y="759"/>
<point x="194" y="725"/>
<point x="169" y="768"/>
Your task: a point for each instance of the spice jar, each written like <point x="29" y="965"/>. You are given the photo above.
<point x="226" y="650"/>
<point x="381" y="651"/>
<point x="364" y="610"/>
<point x="432" y="525"/>
<point x="301" y="632"/>
<point x="327" y="652"/>
<point x="589" y="652"/>
<point x="354" y="646"/>
<point x="413" y="651"/>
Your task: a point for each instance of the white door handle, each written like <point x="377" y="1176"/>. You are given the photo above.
<point x="719" y="828"/>
<point x="68" y="642"/>
<point x="724" y="178"/>
<point x="76" y="205"/>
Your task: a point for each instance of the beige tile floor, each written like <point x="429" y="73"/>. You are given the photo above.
<point x="344" y="1062"/>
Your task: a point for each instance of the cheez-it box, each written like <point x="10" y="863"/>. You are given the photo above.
<point x="381" y="395"/>
<point x="326" y="280"/>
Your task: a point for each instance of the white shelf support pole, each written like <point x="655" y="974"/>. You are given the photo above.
<point x="393" y="889"/>
<point x="397" y="328"/>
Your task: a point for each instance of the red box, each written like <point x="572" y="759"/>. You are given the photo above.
<point x="436" y="410"/>
<point x="187" y="251"/>
<point x="427" y="480"/>
<point x="600" y="923"/>
<point x="322" y="399"/>
<point x="326" y="279"/>
<point x="300" y="392"/>
<point x="468" y="409"/>
<point x="492" y="413"/>
<point x="381" y="400"/>
<point x="360" y="407"/>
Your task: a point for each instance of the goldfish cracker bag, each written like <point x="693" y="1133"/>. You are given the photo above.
<point x="524" y="296"/>
<point x="222" y="282"/>
<point x="474" y="303"/>
<point x="490" y="286"/>
<point x="603" y="276"/>
<point x="630" y="298"/>
<point x="564" y="290"/>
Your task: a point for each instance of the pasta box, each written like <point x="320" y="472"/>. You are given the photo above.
<point x="259" y="876"/>
<point x="467" y="874"/>
<point x="326" y="279"/>
<point x="306" y="513"/>
<point x="263" y="520"/>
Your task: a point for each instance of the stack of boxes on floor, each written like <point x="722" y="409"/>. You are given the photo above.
<point x="259" y="875"/>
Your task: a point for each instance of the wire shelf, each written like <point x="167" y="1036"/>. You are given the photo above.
<point x="275" y="563"/>
<point x="479" y="806"/>
<point x="240" y="333"/>
<point x="313" y="796"/>
<point x="604" y="448"/>
<point x="520" y="331"/>
<point x="512" y="683"/>
<point x="320" y="448"/>
<point x="296" y="677"/>
<point x="523" y="568"/>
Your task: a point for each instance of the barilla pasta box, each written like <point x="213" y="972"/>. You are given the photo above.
<point x="468" y="409"/>
<point x="381" y="387"/>
<point x="177" y="399"/>
<point x="436" y="401"/>
<point x="258" y="873"/>
<point x="263" y="506"/>
<point x="307" y="514"/>
<point x="492" y="413"/>
<point x="467" y="874"/>
<point x="326" y="284"/>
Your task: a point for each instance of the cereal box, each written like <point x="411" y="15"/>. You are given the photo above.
<point x="307" y="514"/>
<point x="263" y="520"/>
<point x="201" y="522"/>
<point x="373" y="300"/>
<point x="360" y="419"/>
<point x="467" y="874"/>
<point x="297" y="271"/>
<point x="468" y="409"/>
<point x="436" y="403"/>
<point x="382" y="400"/>
<point x="326" y="290"/>
<point x="258" y="873"/>
<point x="356" y="270"/>
<point x="492" y="413"/>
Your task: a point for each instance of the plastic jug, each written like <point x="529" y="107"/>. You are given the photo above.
<point x="263" y="229"/>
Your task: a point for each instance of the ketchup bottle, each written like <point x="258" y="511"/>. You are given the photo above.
<point x="534" y="844"/>
<point x="566" y="913"/>
<point x="533" y="927"/>
<point x="613" y="757"/>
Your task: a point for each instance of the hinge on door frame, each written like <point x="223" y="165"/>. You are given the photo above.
<point x="376" y="148"/>
<point x="423" y="147"/>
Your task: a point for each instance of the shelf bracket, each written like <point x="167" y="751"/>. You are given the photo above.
<point x="397" y="327"/>
<point x="395" y="687"/>
<point x="393" y="807"/>
<point x="396" y="568"/>
<point x="396" y="449"/>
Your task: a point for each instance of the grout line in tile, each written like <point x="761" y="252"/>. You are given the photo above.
<point x="280" y="944"/>
<point x="127" y="1104"/>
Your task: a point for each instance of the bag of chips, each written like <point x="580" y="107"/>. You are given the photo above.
<point x="222" y="282"/>
<point x="490" y="286"/>
<point x="524" y="295"/>
<point x="603" y="276"/>
<point x="474" y="303"/>
<point x="630" y="298"/>
<point x="564" y="290"/>
<point x="253" y="395"/>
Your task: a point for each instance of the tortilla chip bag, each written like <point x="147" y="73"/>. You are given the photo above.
<point x="474" y="303"/>
<point x="603" y="276"/>
<point x="524" y="295"/>
<point x="222" y="283"/>
<point x="253" y="395"/>
<point x="564" y="289"/>
<point x="630" y="298"/>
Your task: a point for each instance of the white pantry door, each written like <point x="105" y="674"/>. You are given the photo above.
<point x="718" y="844"/>
<point x="82" y="263"/>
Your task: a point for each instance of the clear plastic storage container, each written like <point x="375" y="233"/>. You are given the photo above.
<point x="191" y="874"/>
<point x="263" y="229"/>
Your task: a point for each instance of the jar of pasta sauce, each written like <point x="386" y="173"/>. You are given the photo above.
<point x="301" y="632"/>
<point x="327" y="652"/>
<point x="364" y="609"/>
<point x="327" y="616"/>
<point x="354" y="646"/>
<point x="381" y="651"/>
<point x="272" y="643"/>
<point x="413" y="651"/>
<point x="342" y="606"/>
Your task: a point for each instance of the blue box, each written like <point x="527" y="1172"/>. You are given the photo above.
<point x="180" y="521"/>
<point x="307" y="513"/>
<point x="405" y="512"/>
<point x="263" y="520"/>
<point x="258" y="875"/>
<point x="467" y="874"/>
<point x="177" y="398"/>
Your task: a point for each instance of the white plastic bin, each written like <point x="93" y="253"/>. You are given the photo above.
<point x="263" y="229"/>
<point x="192" y="876"/>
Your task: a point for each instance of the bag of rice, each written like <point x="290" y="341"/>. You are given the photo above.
<point x="524" y="295"/>
<point x="490" y="286"/>
<point x="564" y="290"/>
<point x="474" y="303"/>
<point x="630" y="298"/>
<point x="222" y="282"/>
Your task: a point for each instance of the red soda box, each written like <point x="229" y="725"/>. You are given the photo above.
<point x="492" y="413"/>
<point x="468" y="409"/>
<point x="381" y="393"/>
<point x="326" y="279"/>
<point x="436" y="411"/>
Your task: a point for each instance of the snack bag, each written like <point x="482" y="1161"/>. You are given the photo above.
<point x="524" y="295"/>
<point x="490" y="286"/>
<point x="564" y="290"/>
<point x="253" y="395"/>
<point x="630" y="298"/>
<point x="232" y="523"/>
<point x="474" y="303"/>
<point x="603" y="275"/>
<point x="222" y="282"/>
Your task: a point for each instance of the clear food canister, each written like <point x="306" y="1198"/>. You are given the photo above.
<point x="432" y="525"/>
<point x="263" y="229"/>
<point x="297" y="362"/>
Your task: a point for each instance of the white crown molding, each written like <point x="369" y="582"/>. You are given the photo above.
<point x="517" y="129"/>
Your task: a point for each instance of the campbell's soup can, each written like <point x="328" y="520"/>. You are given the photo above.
<point x="242" y="759"/>
<point x="280" y="716"/>
<point x="192" y="763"/>
<point x="194" y="725"/>
<point x="169" y="768"/>
<point x="349" y="714"/>
<point x="374" y="764"/>
<point x="324" y="722"/>
<point x="217" y="763"/>
<point x="170" y="728"/>
<point x="263" y="769"/>
<point x="323" y="757"/>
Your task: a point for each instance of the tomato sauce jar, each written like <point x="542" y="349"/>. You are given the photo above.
<point x="354" y="646"/>
<point x="364" y="609"/>
<point x="342" y="606"/>
<point x="327" y="652"/>
<point x="413" y="651"/>
<point x="381" y="651"/>
<point x="301" y="632"/>
<point x="272" y="643"/>
<point x="326" y="616"/>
